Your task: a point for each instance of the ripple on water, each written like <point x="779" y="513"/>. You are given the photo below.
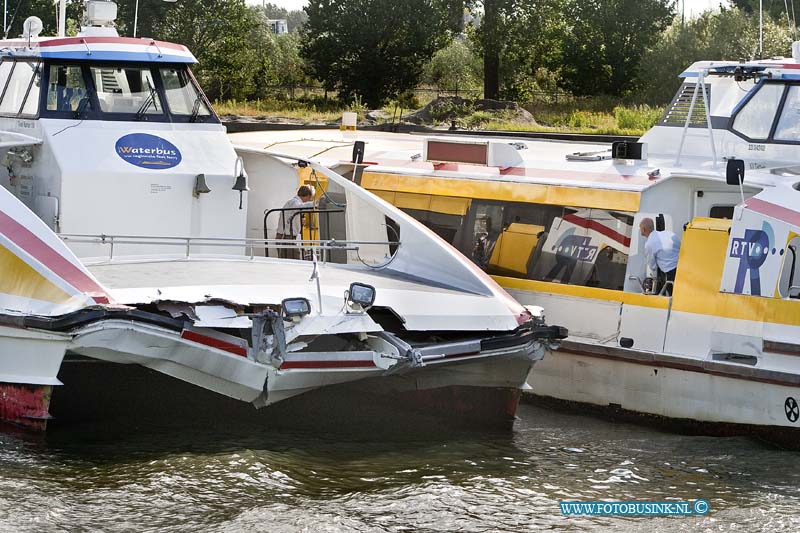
<point x="187" y="479"/>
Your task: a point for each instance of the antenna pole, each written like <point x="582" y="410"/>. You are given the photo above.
<point x="136" y="18"/>
<point x="62" y="18"/>
<point x="5" y="18"/>
<point x="683" y="13"/>
<point x="761" y="29"/>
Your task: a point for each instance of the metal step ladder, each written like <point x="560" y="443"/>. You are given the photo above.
<point x="700" y="87"/>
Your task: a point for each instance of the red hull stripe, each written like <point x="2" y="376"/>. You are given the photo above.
<point x="43" y="253"/>
<point x="773" y="210"/>
<point x="599" y="228"/>
<point x="214" y="343"/>
<point x="327" y="364"/>
<point x="73" y="41"/>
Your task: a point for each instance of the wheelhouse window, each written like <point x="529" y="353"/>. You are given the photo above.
<point x="124" y="91"/>
<point x="66" y="88"/>
<point x="789" y="124"/>
<point x="21" y="85"/>
<point x="183" y="98"/>
<point x="755" y="119"/>
<point x="127" y="90"/>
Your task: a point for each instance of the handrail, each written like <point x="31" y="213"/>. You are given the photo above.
<point x="299" y="211"/>
<point x="251" y="244"/>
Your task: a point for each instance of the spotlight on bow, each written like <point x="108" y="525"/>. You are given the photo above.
<point x="360" y="296"/>
<point x="295" y="308"/>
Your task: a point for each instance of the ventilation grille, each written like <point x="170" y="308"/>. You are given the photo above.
<point x="679" y="107"/>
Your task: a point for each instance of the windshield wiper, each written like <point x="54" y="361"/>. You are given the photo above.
<point x="196" y="109"/>
<point x="83" y="104"/>
<point x="151" y="101"/>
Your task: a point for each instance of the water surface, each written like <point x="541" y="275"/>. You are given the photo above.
<point x="179" y="477"/>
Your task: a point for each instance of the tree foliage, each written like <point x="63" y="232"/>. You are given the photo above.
<point x="607" y="39"/>
<point x="218" y="32"/>
<point x="375" y="49"/>
<point x="707" y="37"/>
<point x="456" y="67"/>
<point x="774" y="8"/>
<point x="45" y="10"/>
<point x="294" y="19"/>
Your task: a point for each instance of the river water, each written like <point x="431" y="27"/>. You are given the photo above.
<point x="180" y="477"/>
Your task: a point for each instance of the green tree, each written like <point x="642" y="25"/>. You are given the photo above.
<point x="456" y="67"/>
<point x="276" y="59"/>
<point x="516" y="38"/>
<point x="45" y="10"/>
<point x="775" y="8"/>
<point x="606" y="42"/>
<point x="372" y="48"/>
<point x="151" y="12"/>
<point x="218" y="32"/>
<point x="294" y="19"/>
<point x="705" y="38"/>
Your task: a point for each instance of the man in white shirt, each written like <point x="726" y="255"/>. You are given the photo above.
<point x="289" y="225"/>
<point x="661" y="251"/>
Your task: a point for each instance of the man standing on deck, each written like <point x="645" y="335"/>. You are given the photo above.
<point x="289" y="226"/>
<point x="661" y="251"/>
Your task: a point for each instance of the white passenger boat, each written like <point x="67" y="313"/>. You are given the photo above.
<point x="129" y="237"/>
<point x="557" y="224"/>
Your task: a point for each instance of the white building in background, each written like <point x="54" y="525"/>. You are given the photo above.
<point x="278" y="26"/>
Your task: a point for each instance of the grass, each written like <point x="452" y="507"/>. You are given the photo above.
<point x="303" y="111"/>
<point x="599" y="115"/>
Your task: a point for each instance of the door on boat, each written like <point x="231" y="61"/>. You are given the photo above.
<point x="715" y="204"/>
<point x="644" y="317"/>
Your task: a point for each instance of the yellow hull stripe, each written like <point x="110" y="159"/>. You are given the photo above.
<point x="20" y="279"/>
<point x="509" y="191"/>
<point x="579" y="291"/>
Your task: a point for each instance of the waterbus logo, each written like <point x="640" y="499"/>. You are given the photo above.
<point x="752" y="251"/>
<point x="148" y="151"/>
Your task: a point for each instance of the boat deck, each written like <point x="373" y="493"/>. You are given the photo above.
<point x="270" y="281"/>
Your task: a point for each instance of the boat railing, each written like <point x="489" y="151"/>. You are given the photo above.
<point x="316" y="250"/>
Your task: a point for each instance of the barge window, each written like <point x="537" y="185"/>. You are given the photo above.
<point x="126" y="90"/>
<point x="721" y="211"/>
<point x="183" y="98"/>
<point x="22" y="84"/>
<point x="558" y="244"/>
<point x="755" y="119"/>
<point x="789" y="123"/>
<point x="66" y="88"/>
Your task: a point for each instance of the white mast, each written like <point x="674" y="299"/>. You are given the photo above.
<point x="761" y="29"/>
<point x="62" y="18"/>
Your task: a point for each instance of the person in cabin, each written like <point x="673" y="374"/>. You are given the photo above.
<point x="289" y="226"/>
<point x="661" y="252"/>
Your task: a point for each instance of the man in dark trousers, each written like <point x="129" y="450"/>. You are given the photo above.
<point x="661" y="251"/>
<point x="289" y="226"/>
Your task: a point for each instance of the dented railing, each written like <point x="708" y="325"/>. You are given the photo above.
<point x="317" y="248"/>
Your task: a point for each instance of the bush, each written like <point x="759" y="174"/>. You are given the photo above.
<point x="641" y="117"/>
<point x="448" y="108"/>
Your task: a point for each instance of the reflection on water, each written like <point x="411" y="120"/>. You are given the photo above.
<point x="180" y="477"/>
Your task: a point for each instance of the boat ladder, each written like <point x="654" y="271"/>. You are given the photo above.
<point x="700" y="87"/>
